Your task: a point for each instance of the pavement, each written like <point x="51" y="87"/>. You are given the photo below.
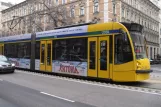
<point x="156" y="74"/>
<point x="13" y="95"/>
<point x="25" y="89"/>
<point x="4" y="103"/>
<point x="156" y="68"/>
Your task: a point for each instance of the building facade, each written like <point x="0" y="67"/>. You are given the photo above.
<point x="3" y="6"/>
<point x="79" y="11"/>
<point x="158" y="3"/>
<point x="18" y="19"/>
<point x="147" y="14"/>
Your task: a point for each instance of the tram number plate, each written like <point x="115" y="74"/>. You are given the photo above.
<point x="105" y="32"/>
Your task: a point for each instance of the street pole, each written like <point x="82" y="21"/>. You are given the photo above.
<point x="32" y="61"/>
<point x="33" y="42"/>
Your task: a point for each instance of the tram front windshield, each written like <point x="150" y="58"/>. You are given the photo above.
<point x="139" y="45"/>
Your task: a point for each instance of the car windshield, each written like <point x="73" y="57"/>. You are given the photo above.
<point x="3" y="58"/>
<point x="139" y="44"/>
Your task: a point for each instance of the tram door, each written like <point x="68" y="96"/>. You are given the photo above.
<point x="1" y="49"/>
<point x="46" y="56"/>
<point x="98" y="57"/>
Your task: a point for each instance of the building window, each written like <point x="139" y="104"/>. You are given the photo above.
<point x="72" y="12"/>
<point x="56" y="2"/>
<point x="96" y="7"/>
<point x="49" y="2"/>
<point x="24" y="11"/>
<point x="123" y="12"/>
<point x="131" y="16"/>
<point x="154" y="54"/>
<point x="151" y="53"/>
<point x="127" y="14"/>
<point x="81" y="11"/>
<point x="135" y="3"/>
<point x="114" y="8"/>
<point x="139" y="20"/>
<point x="63" y="1"/>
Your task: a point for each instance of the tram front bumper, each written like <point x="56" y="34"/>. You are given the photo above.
<point x="143" y="74"/>
<point x="143" y="71"/>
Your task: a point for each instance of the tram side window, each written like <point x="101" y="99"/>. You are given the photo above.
<point x="123" y="52"/>
<point x="24" y="50"/>
<point x="37" y="50"/>
<point x="59" y="50"/>
<point x="11" y="50"/>
<point x="70" y="49"/>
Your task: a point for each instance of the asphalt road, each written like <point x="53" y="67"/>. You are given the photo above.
<point x="23" y="89"/>
<point x="156" y="68"/>
<point x="12" y="95"/>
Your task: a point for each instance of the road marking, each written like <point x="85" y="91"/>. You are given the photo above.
<point x="128" y="88"/>
<point x="57" y="97"/>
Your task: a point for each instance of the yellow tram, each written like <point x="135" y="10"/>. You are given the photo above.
<point x="115" y="51"/>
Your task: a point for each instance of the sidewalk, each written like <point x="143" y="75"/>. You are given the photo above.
<point x="156" y="67"/>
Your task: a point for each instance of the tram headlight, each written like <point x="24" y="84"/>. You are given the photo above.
<point x="138" y="64"/>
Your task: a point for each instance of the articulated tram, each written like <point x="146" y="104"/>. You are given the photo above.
<point x="115" y="51"/>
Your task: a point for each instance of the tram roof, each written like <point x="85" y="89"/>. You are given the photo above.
<point x="14" y="38"/>
<point x="69" y="31"/>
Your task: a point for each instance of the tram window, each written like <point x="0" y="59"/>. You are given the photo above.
<point x="48" y="54"/>
<point x="2" y="50"/>
<point x="59" y="50"/>
<point x="42" y="53"/>
<point x="70" y="49"/>
<point x="27" y="50"/>
<point x="111" y="50"/>
<point x="77" y="49"/>
<point x="24" y="50"/>
<point x="20" y="50"/>
<point x="92" y="55"/>
<point x="11" y="50"/>
<point x="103" y="55"/>
<point x="37" y="50"/>
<point x="123" y="52"/>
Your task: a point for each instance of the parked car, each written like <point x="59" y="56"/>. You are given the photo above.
<point x="151" y="61"/>
<point x="6" y="65"/>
